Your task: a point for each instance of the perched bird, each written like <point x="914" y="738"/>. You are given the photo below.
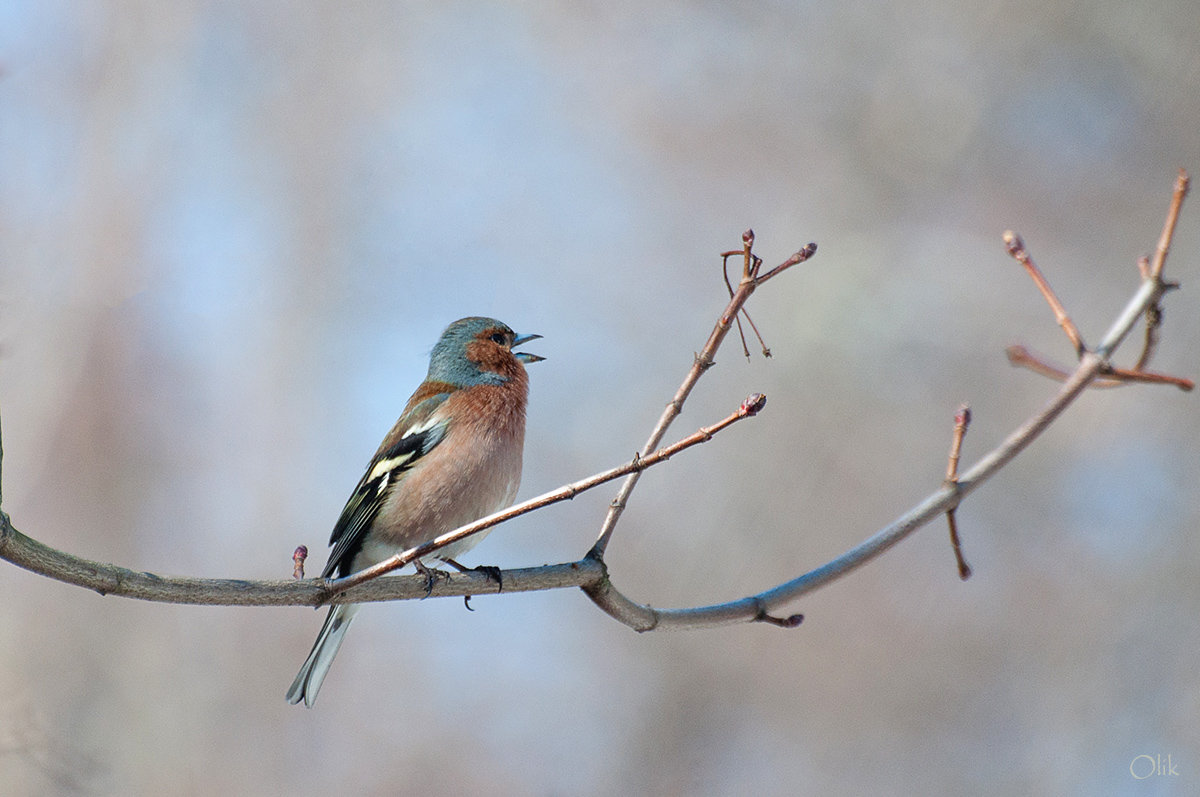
<point x="452" y="457"/>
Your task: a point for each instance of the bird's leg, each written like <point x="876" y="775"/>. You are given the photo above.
<point x="491" y="571"/>
<point x="431" y="576"/>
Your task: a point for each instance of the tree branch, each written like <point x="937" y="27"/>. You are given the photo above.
<point x="590" y="573"/>
<point x="962" y="419"/>
<point x="756" y="608"/>
<point x="752" y="405"/>
<point x="108" y="579"/>
<point x="701" y="363"/>
<point x="1149" y="270"/>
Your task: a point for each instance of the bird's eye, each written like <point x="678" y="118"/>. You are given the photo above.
<point x="498" y="338"/>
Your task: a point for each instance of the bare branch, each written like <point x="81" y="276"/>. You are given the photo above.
<point x="1154" y="270"/>
<point x="702" y="362"/>
<point x="110" y="579"/>
<point x="1016" y="248"/>
<point x="754" y="607"/>
<point x="1182" y="184"/>
<point x="750" y="407"/>
<point x="1021" y="357"/>
<point x="1112" y="377"/>
<point x="748" y="609"/>
<point x="590" y="573"/>
<point x="1151" y="272"/>
<point x="962" y="419"/>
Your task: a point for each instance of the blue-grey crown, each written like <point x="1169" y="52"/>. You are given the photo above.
<point x="449" y="363"/>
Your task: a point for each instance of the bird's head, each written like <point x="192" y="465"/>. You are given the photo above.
<point x="479" y="350"/>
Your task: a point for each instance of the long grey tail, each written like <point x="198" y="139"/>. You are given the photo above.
<point x="316" y="666"/>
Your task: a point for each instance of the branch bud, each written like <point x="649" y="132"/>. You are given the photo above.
<point x="1014" y="244"/>
<point x="298" y="558"/>
<point x="753" y="404"/>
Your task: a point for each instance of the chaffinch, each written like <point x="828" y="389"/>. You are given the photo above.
<point x="452" y="457"/>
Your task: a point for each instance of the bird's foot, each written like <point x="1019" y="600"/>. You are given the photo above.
<point x="432" y="576"/>
<point x="491" y="571"/>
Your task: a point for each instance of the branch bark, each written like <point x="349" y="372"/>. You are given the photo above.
<point x="108" y="579"/>
<point x="749" y="408"/>
<point x="590" y="573"/>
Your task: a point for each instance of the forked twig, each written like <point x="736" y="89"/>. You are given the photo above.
<point x="701" y="363"/>
<point x="1016" y="248"/>
<point x="1150" y="270"/>
<point x="1092" y="364"/>
<point x="1111" y="377"/>
<point x="590" y="573"/>
<point x="751" y="264"/>
<point x="750" y="407"/>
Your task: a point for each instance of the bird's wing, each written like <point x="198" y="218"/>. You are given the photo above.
<point x="414" y="436"/>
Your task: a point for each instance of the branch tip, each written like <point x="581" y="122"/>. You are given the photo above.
<point x="298" y="558"/>
<point x="962" y="419"/>
<point x="1013" y="244"/>
<point x="791" y="621"/>
<point x="797" y="258"/>
<point x="964" y="569"/>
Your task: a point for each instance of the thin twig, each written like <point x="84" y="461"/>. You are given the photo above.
<point x="1021" y="357"/>
<point x="962" y="419"/>
<point x="646" y="618"/>
<point x="298" y="558"/>
<point x="1109" y="377"/>
<point x="766" y="351"/>
<point x="108" y="579"/>
<point x="1016" y="248"/>
<point x="1091" y="364"/>
<point x="1182" y="184"/>
<point x="729" y="287"/>
<point x="1154" y="317"/>
<point x="1153" y="269"/>
<point x="701" y="363"/>
<point x="1124" y="375"/>
<point x="590" y="573"/>
<point x="750" y="407"/>
<point x="750" y="261"/>
<point x="795" y="259"/>
<point x="1149" y="270"/>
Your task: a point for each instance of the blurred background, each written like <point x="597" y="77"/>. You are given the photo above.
<point x="229" y="237"/>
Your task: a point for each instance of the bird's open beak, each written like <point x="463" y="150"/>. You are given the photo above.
<point x="526" y="357"/>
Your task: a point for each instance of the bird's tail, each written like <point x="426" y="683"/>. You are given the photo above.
<point x="316" y="666"/>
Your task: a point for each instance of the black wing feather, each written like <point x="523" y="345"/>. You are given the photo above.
<point x="377" y="484"/>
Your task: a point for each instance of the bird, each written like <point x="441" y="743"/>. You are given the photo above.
<point x="453" y="457"/>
